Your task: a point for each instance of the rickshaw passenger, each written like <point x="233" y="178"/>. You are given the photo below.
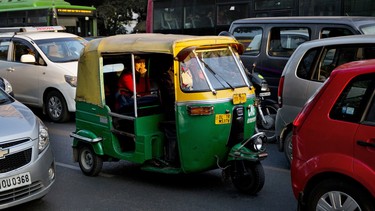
<point x="125" y="86"/>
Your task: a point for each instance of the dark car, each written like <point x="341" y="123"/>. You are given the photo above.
<point x="333" y="164"/>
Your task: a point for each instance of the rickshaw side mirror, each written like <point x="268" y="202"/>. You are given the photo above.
<point x="184" y="53"/>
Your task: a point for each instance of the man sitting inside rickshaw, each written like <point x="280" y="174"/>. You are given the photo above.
<point x="125" y="94"/>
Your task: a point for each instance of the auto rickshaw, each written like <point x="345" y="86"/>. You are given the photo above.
<point x="199" y="114"/>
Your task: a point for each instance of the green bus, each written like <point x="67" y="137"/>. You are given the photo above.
<point x="80" y="20"/>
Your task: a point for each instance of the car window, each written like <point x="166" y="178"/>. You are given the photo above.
<point x="332" y="57"/>
<point x="4" y="46"/>
<point x="21" y="47"/>
<point x="62" y="49"/>
<point x="370" y="118"/>
<point x="306" y="66"/>
<point x="250" y="37"/>
<point x="334" y="32"/>
<point x="352" y="102"/>
<point x="283" y="41"/>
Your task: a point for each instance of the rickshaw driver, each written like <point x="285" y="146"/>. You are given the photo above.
<point x="125" y="96"/>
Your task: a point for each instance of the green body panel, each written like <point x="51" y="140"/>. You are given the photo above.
<point x="201" y="142"/>
<point x="148" y="138"/>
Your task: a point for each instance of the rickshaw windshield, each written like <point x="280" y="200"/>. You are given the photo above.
<point x="218" y="68"/>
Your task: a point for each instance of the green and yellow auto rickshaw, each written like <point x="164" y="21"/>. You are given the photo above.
<point x="189" y="110"/>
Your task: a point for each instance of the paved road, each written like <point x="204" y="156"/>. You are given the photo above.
<point x="122" y="186"/>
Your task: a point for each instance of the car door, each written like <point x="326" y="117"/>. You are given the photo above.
<point x="24" y="77"/>
<point x="364" y="141"/>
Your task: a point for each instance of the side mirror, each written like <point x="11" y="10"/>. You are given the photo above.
<point x="28" y="58"/>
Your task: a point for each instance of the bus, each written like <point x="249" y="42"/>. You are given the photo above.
<point x="210" y="17"/>
<point x="79" y="20"/>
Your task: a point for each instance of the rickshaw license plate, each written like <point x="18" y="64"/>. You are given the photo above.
<point x="15" y="181"/>
<point x="222" y="119"/>
<point x="239" y="98"/>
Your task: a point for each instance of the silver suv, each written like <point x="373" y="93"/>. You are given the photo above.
<point x="306" y="70"/>
<point x="42" y="67"/>
<point x="27" y="169"/>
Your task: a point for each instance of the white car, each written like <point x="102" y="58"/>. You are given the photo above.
<point x="27" y="167"/>
<point x="42" y="68"/>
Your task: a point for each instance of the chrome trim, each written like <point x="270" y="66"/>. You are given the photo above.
<point x="213" y="101"/>
<point x="90" y="140"/>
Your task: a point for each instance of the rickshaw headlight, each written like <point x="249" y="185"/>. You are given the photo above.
<point x="43" y="139"/>
<point x="71" y="80"/>
<point x="257" y="142"/>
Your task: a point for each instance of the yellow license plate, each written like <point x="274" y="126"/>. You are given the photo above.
<point x="222" y="119"/>
<point x="239" y="98"/>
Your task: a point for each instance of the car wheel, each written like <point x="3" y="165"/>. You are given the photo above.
<point x="90" y="163"/>
<point x="288" y="148"/>
<point x="56" y="108"/>
<point x="247" y="177"/>
<point x="336" y="194"/>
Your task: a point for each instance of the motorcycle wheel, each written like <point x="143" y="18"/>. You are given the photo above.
<point x="269" y="111"/>
<point x="248" y="177"/>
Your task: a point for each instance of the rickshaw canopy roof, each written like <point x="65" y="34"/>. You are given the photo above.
<point x="90" y="66"/>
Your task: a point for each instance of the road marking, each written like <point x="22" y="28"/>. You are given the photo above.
<point x="79" y="169"/>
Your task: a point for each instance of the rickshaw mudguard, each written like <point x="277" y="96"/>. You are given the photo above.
<point x="88" y="137"/>
<point x="239" y="152"/>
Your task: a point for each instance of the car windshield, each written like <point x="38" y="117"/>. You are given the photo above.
<point x="368" y="29"/>
<point x="219" y="68"/>
<point x="62" y="49"/>
<point x="4" y="98"/>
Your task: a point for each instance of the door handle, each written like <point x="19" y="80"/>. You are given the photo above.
<point x="365" y="144"/>
<point x="10" y="69"/>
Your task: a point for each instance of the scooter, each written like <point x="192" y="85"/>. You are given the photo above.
<point x="266" y="108"/>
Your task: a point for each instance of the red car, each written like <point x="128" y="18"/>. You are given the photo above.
<point x="333" y="166"/>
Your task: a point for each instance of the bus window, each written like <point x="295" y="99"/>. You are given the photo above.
<point x="226" y="14"/>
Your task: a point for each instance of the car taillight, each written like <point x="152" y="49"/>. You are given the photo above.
<point x="280" y="91"/>
<point x="302" y="115"/>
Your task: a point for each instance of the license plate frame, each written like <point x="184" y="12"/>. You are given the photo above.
<point x="15" y="181"/>
<point x="239" y="98"/>
<point x="221" y="119"/>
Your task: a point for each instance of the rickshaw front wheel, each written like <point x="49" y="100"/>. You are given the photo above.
<point x="90" y="163"/>
<point x="248" y="177"/>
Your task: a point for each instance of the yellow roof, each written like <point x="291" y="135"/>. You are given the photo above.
<point x="89" y="66"/>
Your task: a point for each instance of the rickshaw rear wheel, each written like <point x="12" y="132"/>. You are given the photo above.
<point x="248" y="177"/>
<point x="90" y="163"/>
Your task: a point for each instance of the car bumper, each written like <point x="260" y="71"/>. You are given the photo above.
<point x="41" y="181"/>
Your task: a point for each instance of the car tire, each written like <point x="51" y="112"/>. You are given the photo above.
<point x="55" y="107"/>
<point x="288" y="148"/>
<point x="90" y="163"/>
<point x="345" y="192"/>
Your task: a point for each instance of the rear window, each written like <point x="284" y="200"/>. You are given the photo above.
<point x="354" y="99"/>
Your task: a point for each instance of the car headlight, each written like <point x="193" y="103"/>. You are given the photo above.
<point x="43" y="139"/>
<point x="71" y="80"/>
<point x="7" y="86"/>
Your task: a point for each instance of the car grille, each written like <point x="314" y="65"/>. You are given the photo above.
<point x="13" y="143"/>
<point x="14" y="161"/>
<point x="19" y="193"/>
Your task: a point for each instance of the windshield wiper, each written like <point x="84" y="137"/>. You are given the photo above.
<point x="216" y="75"/>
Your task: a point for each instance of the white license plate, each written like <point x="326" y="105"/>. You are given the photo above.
<point x="15" y="181"/>
<point x="264" y="94"/>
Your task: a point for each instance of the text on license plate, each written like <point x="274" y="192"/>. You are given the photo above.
<point x="222" y="119"/>
<point x="15" y="181"/>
